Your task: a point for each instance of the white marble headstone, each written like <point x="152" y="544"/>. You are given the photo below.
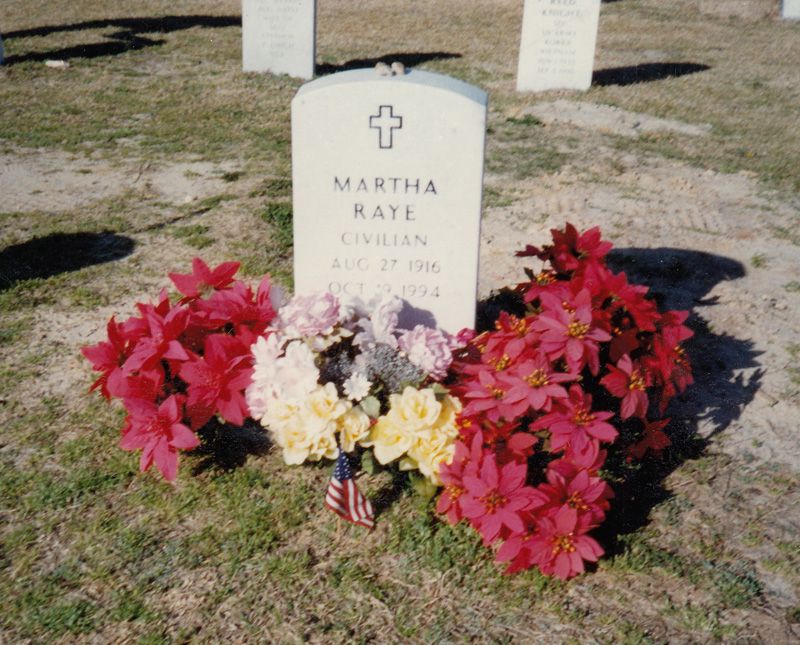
<point x="791" y="9"/>
<point x="279" y="36"/>
<point x="557" y="44"/>
<point x="387" y="180"/>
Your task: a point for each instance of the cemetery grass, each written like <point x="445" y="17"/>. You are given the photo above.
<point x="241" y="548"/>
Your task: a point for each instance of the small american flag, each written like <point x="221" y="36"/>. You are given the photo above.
<point x="344" y="498"/>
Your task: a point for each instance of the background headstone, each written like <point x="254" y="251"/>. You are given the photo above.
<point x="557" y="44"/>
<point x="387" y="178"/>
<point x="279" y="36"/>
<point x="791" y="9"/>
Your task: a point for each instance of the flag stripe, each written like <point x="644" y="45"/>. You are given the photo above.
<point x="344" y="498"/>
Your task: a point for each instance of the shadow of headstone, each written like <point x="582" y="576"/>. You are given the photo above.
<point x="128" y="35"/>
<point x="43" y="257"/>
<point x="644" y="73"/>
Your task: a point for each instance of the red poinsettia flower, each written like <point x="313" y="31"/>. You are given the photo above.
<point x="583" y="492"/>
<point x="108" y="357"/>
<point x="202" y="280"/>
<point x="546" y="281"/>
<point x="570" y="250"/>
<point x="570" y="332"/>
<point x="466" y="461"/>
<point x="534" y="382"/>
<point x="494" y="499"/>
<point x="159" y="433"/>
<point x="162" y="340"/>
<point x="239" y="308"/>
<point x="516" y="550"/>
<point x="628" y="382"/>
<point x="217" y="381"/>
<point x="489" y="397"/>
<point x="653" y="438"/>
<point x="560" y="544"/>
<point x="573" y="423"/>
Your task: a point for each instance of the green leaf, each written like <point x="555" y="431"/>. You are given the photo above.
<point x="368" y="463"/>
<point x="422" y="485"/>
<point x="371" y="407"/>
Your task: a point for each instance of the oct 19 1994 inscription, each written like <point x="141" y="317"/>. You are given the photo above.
<point x="387" y="181"/>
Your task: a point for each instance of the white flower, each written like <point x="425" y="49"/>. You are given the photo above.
<point x="357" y="386"/>
<point x="297" y="375"/>
<point x="381" y="324"/>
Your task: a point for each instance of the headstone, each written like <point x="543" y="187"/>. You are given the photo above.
<point x="557" y="44"/>
<point x="1" y="50"/>
<point x="279" y="36"/>
<point x="387" y="178"/>
<point x="791" y="9"/>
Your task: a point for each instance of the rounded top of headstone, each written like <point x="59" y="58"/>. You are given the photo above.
<point x="412" y="77"/>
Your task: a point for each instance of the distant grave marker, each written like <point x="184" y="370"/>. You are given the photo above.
<point x="279" y="36"/>
<point x="791" y="9"/>
<point x="387" y="179"/>
<point x="557" y="44"/>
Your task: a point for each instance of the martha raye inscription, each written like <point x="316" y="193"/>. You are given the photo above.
<point x="387" y="179"/>
<point x="557" y="44"/>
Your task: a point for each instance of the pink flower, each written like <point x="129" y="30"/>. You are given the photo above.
<point x="203" y="280"/>
<point x="584" y="493"/>
<point x="574" y="424"/>
<point x="570" y="332"/>
<point x="308" y="316"/>
<point x="217" y="381"/>
<point x="495" y="499"/>
<point x="627" y="382"/>
<point x="466" y="461"/>
<point x="162" y="341"/>
<point x="237" y="307"/>
<point x="108" y="357"/>
<point x="534" y="382"/>
<point x="489" y="396"/>
<point x="158" y="432"/>
<point x="560" y="545"/>
<point x="428" y="349"/>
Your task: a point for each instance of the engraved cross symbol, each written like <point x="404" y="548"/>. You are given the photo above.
<point x="385" y="122"/>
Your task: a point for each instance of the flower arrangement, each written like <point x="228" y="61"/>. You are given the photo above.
<point x="518" y="425"/>
<point x="580" y="374"/>
<point x="332" y="376"/>
<point x="177" y="365"/>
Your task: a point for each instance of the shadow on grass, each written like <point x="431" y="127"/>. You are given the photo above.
<point x="408" y="59"/>
<point x="226" y="446"/>
<point x="644" y="73"/>
<point x="127" y="37"/>
<point x="43" y="257"/>
<point x="681" y="279"/>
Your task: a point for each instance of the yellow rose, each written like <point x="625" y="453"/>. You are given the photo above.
<point x="388" y="440"/>
<point x="414" y="409"/>
<point x="353" y="427"/>
<point x="324" y="402"/>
